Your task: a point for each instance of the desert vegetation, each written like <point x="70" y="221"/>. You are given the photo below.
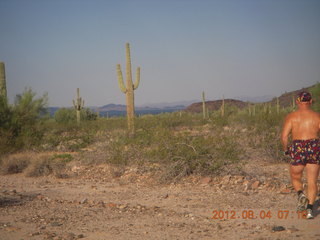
<point x="177" y="144"/>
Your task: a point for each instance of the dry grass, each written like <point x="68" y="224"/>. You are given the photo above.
<point x="15" y="163"/>
<point x="35" y="164"/>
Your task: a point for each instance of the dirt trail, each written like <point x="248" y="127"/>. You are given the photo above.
<point x="91" y="205"/>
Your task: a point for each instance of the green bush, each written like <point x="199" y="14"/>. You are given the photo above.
<point x="180" y="152"/>
<point x="68" y="115"/>
<point x="65" y="115"/>
<point x="22" y="123"/>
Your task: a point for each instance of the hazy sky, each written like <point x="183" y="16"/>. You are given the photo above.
<point x="227" y="47"/>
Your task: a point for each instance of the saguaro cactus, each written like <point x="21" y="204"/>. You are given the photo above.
<point x="293" y="103"/>
<point x="222" y="107"/>
<point x="78" y="105"/>
<point x="278" y="106"/>
<point x="3" y="86"/>
<point x="203" y="105"/>
<point x="129" y="88"/>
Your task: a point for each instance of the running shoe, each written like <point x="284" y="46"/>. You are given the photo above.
<point x="309" y="214"/>
<point x="302" y="202"/>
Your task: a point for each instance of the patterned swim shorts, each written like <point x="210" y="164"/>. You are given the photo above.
<point x="304" y="151"/>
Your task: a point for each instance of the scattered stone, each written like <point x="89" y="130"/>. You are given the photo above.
<point x="122" y="206"/>
<point x="226" y="179"/>
<point x="292" y="230"/>
<point x="206" y="180"/>
<point x="246" y="186"/>
<point x="80" y="236"/>
<point x="56" y="224"/>
<point x="83" y="201"/>
<point x="112" y="205"/>
<point x="68" y="236"/>
<point x="166" y="196"/>
<point x="12" y="229"/>
<point x="278" y="229"/>
<point x="285" y="191"/>
<point x="34" y="234"/>
<point x="255" y="185"/>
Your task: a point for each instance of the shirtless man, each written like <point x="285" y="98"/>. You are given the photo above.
<point x="304" y="125"/>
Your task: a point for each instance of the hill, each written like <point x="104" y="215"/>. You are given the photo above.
<point x="215" y="105"/>
<point x="285" y="100"/>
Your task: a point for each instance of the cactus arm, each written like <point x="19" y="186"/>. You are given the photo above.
<point x="203" y="105"/>
<point x="3" y="87"/>
<point x="120" y="79"/>
<point x="136" y="83"/>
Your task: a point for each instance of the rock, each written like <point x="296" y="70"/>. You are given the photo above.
<point x="225" y="179"/>
<point x="122" y="206"/>
<point x="292" y="230"/>
<point x="206" y="180"/>
<point x="255" y="184"/>
<point x="12" y="229"/>
<point x="278" y="229"/>
<point x="68" y="236"/>
<point x="56" y="224"/>
<point x="112" y="205"/>
<point x="285" y="191"/>
<point x="83" y="201"/>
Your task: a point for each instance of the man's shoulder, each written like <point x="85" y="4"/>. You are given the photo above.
<point x="314" y="113"/>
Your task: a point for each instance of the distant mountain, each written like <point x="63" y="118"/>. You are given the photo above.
<point x="111" y="107"/>
<point x="120" y="110"/>
<point x="168" y="105"/>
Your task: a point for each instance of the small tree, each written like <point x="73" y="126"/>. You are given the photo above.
<point x="20" y="123"/>
<point x="65" y="115"/>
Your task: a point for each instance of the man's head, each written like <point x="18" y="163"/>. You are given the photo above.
<point x="304" y="98"/>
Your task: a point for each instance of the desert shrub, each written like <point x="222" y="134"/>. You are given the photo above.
<point x="65" y="115"/>
<point x="88" y="115"/>
<point x="180" y="153"/>
<point x="45" y="164"/>
<point x="198" y="154"/>
<point x="22" y="123"/>
<point x="35" y="164"/>
<point x="67" y="137"/>
<point x="15" y="163"/>
<point x="68" y="115"/>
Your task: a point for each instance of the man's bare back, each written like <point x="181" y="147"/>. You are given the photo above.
<point x="304" y="124"/>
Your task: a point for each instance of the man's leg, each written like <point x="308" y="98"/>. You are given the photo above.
<point x="296" y="176"/>
<point x="296" y="172"/>
<point x="312" y="177"/>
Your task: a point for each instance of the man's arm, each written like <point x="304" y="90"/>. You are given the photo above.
<point x="285" y="132"/>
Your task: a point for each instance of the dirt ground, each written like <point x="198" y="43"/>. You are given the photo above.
<point x="92" y="203"/>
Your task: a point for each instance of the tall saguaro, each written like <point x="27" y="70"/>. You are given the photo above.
<point x="204" y="105"/>
<point x="129" y="88"/>
<point x="78" y="105"/>
<point x="222" y="106"/>
<point x="3" y="86"/>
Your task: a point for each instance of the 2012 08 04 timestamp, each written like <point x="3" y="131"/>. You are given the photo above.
<point x="257" y="214"/>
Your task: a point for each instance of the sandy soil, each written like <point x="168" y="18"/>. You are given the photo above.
<point x="93" y="204"/>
